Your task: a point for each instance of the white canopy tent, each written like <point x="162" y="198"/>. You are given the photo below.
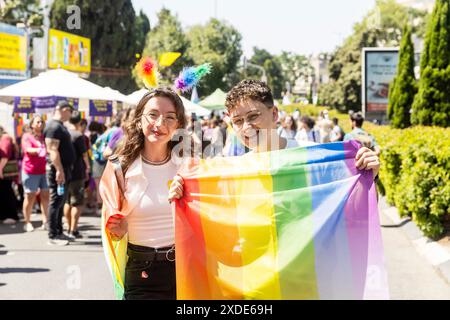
<point x="189" y="106"/>
<point x="115" y="95"/>
<point x="57" y="82"/>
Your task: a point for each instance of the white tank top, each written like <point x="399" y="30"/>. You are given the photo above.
<point x="151" y="223"/>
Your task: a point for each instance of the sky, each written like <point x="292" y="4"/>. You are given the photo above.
<point x="300" y="26"/>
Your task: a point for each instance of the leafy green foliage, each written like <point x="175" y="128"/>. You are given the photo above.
<point x="115" y="41"/>
<point x="271" y="65"/>
<point x="217" y="43"/>
<point x="166" y="36"/>
<point x="27" y="12"/>
<point x="403" y="88"/>
<point x="432" y="102"/>
<point x="380" y="28"/>
<point x="415" y="172"/>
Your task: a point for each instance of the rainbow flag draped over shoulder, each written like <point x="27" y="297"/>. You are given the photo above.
<point x="291" y="224"/>
<point x="114" y="204"/>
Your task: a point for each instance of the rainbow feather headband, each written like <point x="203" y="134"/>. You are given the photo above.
<point x="147" y="70"/>
<point x="189" y="77"/>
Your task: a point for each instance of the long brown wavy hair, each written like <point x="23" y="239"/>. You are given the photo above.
<point x="134" y="138"/>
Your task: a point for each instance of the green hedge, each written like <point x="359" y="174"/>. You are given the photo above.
<point x="415" y="173"/>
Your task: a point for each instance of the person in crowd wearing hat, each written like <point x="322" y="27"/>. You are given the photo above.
<point x="61" y="156"/>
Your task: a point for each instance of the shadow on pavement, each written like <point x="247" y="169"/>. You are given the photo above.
<point x="398" y="225"/>
<point x="23" y="270"/>
<point x="88" y="227"/>
<point x="89" y="243"/>
<point x="18" y="227"/>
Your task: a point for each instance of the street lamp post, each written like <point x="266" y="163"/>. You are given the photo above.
<point x="264" y="75"/>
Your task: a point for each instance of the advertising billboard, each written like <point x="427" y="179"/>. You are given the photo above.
<point x="13" y="53"/>
<point x="68" y="51"/>
<point x="379" y="69"/>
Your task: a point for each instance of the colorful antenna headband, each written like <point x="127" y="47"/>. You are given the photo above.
<point x="148" y="72"/>
<point x="190" y="77"/>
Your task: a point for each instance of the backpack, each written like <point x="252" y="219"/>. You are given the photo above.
<point x="100" y="145"/>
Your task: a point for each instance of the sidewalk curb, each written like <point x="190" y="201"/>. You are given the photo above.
<point x="433" y="252"/>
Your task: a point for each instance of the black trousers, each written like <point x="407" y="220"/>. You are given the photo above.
<point x="149" y="280"/>
<point x="8" y="200"/>
<point x="56" y="204"/>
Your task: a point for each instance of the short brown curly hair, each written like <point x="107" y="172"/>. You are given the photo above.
<point x="249" y="90"/>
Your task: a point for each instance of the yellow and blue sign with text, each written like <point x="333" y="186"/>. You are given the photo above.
<point x="68" y="51"/>
<point x="13" y="53"/>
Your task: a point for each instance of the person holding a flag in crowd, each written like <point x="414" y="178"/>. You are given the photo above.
<point x="275" y="223"/>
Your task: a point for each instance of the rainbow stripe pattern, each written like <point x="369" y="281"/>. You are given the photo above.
<point x="294" y="224"/>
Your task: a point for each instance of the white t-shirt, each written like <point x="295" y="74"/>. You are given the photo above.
<point x="151" y="223"/>
<point x="303" y="135"/>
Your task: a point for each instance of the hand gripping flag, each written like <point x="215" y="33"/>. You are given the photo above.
<point x="291" y="224"/>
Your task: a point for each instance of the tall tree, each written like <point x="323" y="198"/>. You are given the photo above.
<point x="28" y="12"/>
<point x="272" y="67"/>
<point x="167" y="36"/>
<point x="432" y="102"/>
<point x="218" y="43"/>
<point x="111" y="26"/>
<point x="380" y="28"/>
<point x="142" y="27"/>
<point x="403" y="87"/>
<point x="294" y="66"/>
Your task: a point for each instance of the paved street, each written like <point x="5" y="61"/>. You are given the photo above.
<point x="31" y="269"/>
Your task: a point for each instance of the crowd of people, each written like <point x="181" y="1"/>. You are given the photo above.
<point x="55" y="168"/>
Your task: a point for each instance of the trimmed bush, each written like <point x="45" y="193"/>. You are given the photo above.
<point x="415" y="173"/>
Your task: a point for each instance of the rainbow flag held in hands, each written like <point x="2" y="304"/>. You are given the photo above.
<point x="298" y="223"/>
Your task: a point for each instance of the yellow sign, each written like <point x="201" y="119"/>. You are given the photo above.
<point x="68" y="51"/>
<point x="13" y="52"/>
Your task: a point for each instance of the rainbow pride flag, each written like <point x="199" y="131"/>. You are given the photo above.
<point x="291" y="224"/>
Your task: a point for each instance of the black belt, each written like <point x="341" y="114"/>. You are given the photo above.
<point x="140" y="253"/>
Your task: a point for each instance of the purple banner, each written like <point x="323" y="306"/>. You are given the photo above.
<point x="29" y="105"/>
<point x="43" y="102"/>
<point x="100" y="108"/>
<point x="50" y="102"/>
<point x="23" y="105"/>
